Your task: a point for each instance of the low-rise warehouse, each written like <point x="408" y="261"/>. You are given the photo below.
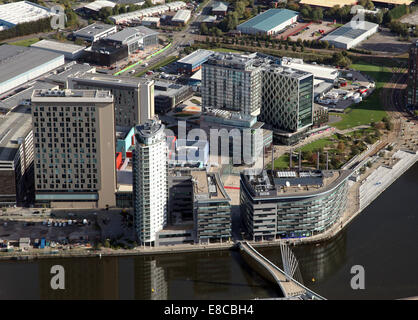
<point x="269" y="22"/>
<point x="328" y="3"/>
<point x="182" y="17"/>
<point x="19" y="65"/>
<point x="14" y="13"/>
<point x="134" y="38"/>
<point x="351" y="34"/>
<point x="69" y="50"/>
<point x="193" y="61"/>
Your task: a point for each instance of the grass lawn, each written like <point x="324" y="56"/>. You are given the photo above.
<point x="25" y="43"/>
<point x="371" y="109"/>
<point x="225" y="50"/>
<point x="280" y="163"/>
<point x="318" y="144"/>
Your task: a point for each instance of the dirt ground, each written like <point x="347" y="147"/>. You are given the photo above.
<point x="385" y="41"/>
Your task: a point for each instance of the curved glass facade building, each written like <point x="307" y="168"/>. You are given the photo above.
<point x="291" y="204"/>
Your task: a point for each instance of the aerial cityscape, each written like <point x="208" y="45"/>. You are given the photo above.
<point x="209" y="150"/>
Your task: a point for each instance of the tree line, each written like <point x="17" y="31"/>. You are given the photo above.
<point x="23" y="29"/>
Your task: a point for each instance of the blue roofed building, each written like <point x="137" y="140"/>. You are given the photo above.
<point x="269" y="22"/>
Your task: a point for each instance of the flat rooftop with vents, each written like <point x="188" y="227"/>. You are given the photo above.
<point x="95" y="31"/>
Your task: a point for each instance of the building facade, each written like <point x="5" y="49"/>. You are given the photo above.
<point x="287" y="99"/>
<point x="133" y="97"/>
<point x="150" y="180"/>
<point x="233" y="82"/>
<point x="211" y="208"/>
<point x="74" y="147"/>
<point x="412" y="94"/>
<point x="290" y="204"/>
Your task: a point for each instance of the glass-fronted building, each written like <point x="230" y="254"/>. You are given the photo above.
<point x="292" y="204"/>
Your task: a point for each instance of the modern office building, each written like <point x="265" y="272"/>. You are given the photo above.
<point x="289" y="204"/>
<point x="150" y="180"/>
<point x="257" y="85"/>
<point x="20" y="65"/>
<point x="16" y="157"/>
<point x="412" y="94"/>
<point x="243" y="134"/>
<point x="211" y="208"/>
<point x="74" y="147"/>
<point x="167" y="95"/>
<point x="133" y="97"/>
<point x="95" y="32"/>
<point x="269" y="22"/>
<point x="287" y="98"/>
<point x="135" y="38"/>
<point x="233" y="82"/>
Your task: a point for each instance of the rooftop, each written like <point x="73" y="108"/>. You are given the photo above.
<point x="196" y="56"/>
<point x="17" y="124"/>
<point x="395" y="2"/>
<point x="58" y="46"/>
<point x="149" y="128"/>
<point x="208" y="186"/>
<point x="182" y="15"/>
<point x="319" y="71"/>
<point x="71" y="69"/>
<point x="347" y="33"/>
<point x="219" y="6"/>
<point x="292" y="184"/>
<point x="269" y="19"/>
<point x="97" y="5"/>
<point x="93" y="30"/>
<point x="69" y="95"/>
<point x="110" y="80"/>
<point x="126" y="33"/>
<point x="22" y="11"/>
<point x="16" y="60"/>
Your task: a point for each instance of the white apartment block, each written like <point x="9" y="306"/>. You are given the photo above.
<point x="150" y="180"/>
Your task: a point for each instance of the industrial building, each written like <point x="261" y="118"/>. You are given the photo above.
<point x="167" y="95"/>
<point x="320" y="72"/>
<point x="412" y="90"/>
<point x="94" y="32"/>
<point x="181" y="17"/>
<point x="219" y="8"/>
<point x="133" y="97"/>
<point x="74" y="144"/>
<point x="150" y="180"/>
<point x="211" y="208"/>
<point x="193" y="61"/>
<point x="135" y="38"/>
<point x="136" y="16"/>
<point x="69" y="50"/>
<point x="351" y="34"/>
<point x="19" y="65"/>
<point x="292" y="204"/>
<point x="95" y="6"/>
<point x="16" y="157"/>
<point x="269" y="22"/>
<point x="14" y="13"/>
<point x="151" y="22"/>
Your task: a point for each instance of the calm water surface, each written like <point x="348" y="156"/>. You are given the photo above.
<point x="383" y="239"/>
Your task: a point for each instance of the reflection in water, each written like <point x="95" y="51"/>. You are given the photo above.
<point x="85" y="278"/>
<point x="316" y="262"/>
<point x="150" y="280"/>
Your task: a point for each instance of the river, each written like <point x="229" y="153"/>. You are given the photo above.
<point x="383" y="239"/>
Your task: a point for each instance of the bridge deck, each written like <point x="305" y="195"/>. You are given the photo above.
<point x="289" y="287"/>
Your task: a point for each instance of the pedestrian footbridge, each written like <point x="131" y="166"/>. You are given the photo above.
<point x="291" y="288"/>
